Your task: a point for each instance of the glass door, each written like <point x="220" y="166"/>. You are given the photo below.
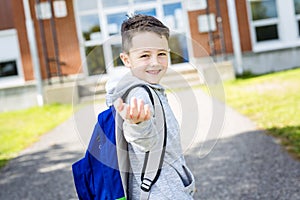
<point x="173" y="17"/>
<point x="99" y="24"/>
<point x="92" y="36"/>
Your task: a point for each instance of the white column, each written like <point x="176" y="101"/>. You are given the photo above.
<point x="235" y="36"/>
<point x="34" y="53"/>
<point x="288" y="26"/>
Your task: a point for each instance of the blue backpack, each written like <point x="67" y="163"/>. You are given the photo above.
<point x="97" y="175"/>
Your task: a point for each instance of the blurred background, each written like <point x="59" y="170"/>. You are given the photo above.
<point x="56" y="56"/>
<point x="44" y="42"/>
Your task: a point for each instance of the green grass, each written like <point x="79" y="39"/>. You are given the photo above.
<point x="19" y="129"/>
<point x="273" y="102"/>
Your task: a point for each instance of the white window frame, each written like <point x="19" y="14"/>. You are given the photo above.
<point x="288" y="35"/>
<point x="12" y="48"/>
<point x="193" y="5"/>
<point x="297" y="21"/>
<point x="297" y="16"/>
<point x="207" y="23"/>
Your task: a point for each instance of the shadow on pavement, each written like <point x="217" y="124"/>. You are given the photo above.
<point x="44" y="174"/>
<point x="249" y="165"/>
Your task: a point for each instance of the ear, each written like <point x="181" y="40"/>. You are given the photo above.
<point x="125" y="59"/>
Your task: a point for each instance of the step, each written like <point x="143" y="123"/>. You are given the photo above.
<point x="174" y="78"/>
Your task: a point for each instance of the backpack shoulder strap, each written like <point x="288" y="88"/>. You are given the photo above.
<point x="153" y="159"/>
<point x="124" y="96"/>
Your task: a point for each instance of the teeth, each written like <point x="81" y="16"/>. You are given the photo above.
<point x="153" y="71"/>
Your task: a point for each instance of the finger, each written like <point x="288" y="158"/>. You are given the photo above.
<point x="127" y="112"/>
<point x="140" y="104"/>
<point x="141" y="111"/>
<point x="133" y="108"/>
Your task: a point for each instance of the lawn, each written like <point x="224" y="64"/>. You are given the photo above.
<point x="273" y="102"/>
<point x="19" y="129"/>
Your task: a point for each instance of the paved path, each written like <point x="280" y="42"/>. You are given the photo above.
<point x="235" y="162"/>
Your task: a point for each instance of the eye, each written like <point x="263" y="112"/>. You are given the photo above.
<point x="144" y="56"/>
<point x="162" y="54"/>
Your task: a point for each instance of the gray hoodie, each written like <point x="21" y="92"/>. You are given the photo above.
<point x="176" y="180"/>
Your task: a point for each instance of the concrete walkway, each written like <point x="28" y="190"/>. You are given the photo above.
<point x="230" y="158"/>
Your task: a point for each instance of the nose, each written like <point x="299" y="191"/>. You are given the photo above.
<point x="154" y="60"/>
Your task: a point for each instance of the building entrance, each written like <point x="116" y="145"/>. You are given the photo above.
<point x="99" y="23"/>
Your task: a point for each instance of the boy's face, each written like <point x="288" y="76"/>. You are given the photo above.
<point x="148" y="56"/>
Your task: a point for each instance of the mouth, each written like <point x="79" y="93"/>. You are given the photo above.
<point x="154" y="72"/>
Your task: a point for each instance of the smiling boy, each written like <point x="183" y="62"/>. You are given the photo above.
<point x="147" y="57"/>
<point x="146" y="54"/>
<point x="148" y="61"/>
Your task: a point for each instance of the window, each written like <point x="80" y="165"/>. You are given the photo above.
<point x="264" y="20"/>
<point x="297" y="6"/>
<point x="114" y="22"/>
<point x="8" y="68"/>
<point x="90" y="27"/>
<point x="60" y="8"/>
<point x="196" y="5"/>
<point x="86" y="5"/>
<point x="173" y="17"/>
<point x="116" y="50"/>
<point x="263" y="9"/>
<point x="274" y="24"/>
<point x="95" y="60"/>
<point x="43" y="10"/>
<point x="178" y="46"/>
<point x="10" y="57"/>
<point x="142" y="1"/>
<point x="92" y="35"/>
<point x="207" y="23"/>
<point x="264" y="33"/>
<point x="297" y="12"/>
<point x="114" y="3"/>
<point x="147" y="12"/>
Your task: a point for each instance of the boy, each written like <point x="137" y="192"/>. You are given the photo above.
<point x="145" y="53"/>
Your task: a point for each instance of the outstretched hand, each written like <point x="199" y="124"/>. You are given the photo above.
<point x="135" y="112"/>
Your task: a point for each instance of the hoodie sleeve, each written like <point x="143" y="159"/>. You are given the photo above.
<point x="143" y="135"/>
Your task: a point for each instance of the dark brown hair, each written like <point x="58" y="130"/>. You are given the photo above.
<point x="141" y="23"/>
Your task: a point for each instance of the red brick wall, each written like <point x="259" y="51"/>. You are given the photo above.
<point x="6" y="15"/>
<point x="18" y="16"/>
<point x="68" y="44"/>
<point x="202" y="39"/>
<point x="244" y="28"/>
<point x="12" y="16"/>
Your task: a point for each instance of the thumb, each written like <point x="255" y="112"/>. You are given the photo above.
<point x="118" y="104"/>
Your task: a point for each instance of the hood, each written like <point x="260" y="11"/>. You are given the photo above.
<point x="118" y="83"/>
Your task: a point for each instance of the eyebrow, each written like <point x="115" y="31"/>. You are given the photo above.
<point x="149" y="50"/>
